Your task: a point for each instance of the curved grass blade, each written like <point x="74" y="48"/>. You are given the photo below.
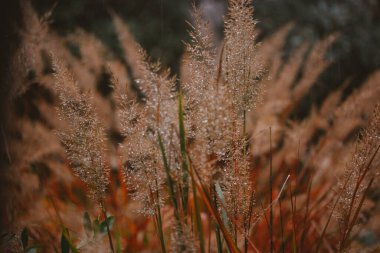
<point x="168" y="176"/>
<point x="65" y="245"/>
<point x="219" y="192"/>
<point x="24" y="238"/>
<point x="182" y="137"/>
<point x="198" y="219"/>
<point x="214" y="213"/>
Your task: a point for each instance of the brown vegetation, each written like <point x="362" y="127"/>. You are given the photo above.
<point x="131" y="159"/>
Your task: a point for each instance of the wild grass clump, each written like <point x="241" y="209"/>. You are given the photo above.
<point x="186" y="156"/>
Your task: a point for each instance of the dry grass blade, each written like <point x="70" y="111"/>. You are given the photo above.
<point x="351" y="222"/>
<point x="356" y="215"/>
<point x="321" y="238"/>
<point x="215" y="214"/>
<point x="270" y="191"/>
<point x="305" y="227"/>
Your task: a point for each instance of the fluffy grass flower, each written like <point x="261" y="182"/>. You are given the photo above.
<point x="84" y="138"/>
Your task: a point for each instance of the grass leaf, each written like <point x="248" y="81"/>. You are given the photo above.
<point x="24" y="238"/>
<point x="214" y="213"/>
<point x="182" y="137"/>
<point x="168" y="176"/>
<point x="198" y="219"/>
<point x="87" y="224"/>
<point x="32" y="249"/>
<point x="65" y="244"/>
<point x="103" y="226"/>
<point x="219" y="191"/>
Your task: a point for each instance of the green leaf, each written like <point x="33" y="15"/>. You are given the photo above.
<point x="103" y="226"/>
<point x="65" y="244"/>
<point x="218" y="239"/>
<point x="87" y="224"/>
<point x="32" y="249"/>
<point x="169" y="178"/>
<point x="24" y="238"/>
<point x="219" y="191"/>
<point x="160" y="229"/>
<point x="207" y="200"/>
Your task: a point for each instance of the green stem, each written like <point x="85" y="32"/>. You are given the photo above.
<point x="108" y="228"/>
<point x="185" y="177"/>
<point x="169" y="178"/>
<point x="159" y="219"/>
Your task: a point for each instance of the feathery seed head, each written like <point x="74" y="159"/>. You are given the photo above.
<point x="241" y="67"/>
<point x="144" y="174"/>
<point x="182" y="238"/>
<point x="365" y="147"/>
<point x="84" y="139"/>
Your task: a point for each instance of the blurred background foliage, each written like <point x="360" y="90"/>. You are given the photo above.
<point x="160" y="26"/>
<point x="355" y="54"/>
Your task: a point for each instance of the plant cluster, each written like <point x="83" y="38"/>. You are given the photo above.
<point x="187" y="157"/>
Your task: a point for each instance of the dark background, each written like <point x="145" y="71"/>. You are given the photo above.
<point x="160" y="26"/>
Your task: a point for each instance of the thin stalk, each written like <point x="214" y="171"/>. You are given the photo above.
<point x="292" y="202"/>
<point x="108" y="228"/>
<point x="218" y="239"/>
<point x="239" y="229"/>
<point x="169" y="178"/>
<point x="282" y="228"/>
<point x="271" y="191"/>
<point x="264" y="213"/>
<point x="219" y="70"/>
<point x="185" y="177"/>
<point x="208" y="203"/>
<point x="217" y="232"/>
<point x="160" y="232"/>
<point x="246" y="226"/>
<point x="305" y="229"/>
<point x="209" y="235"/>
<point x="319" y="244"/>
<point x="358" y="183"/>
<point x="159" y="219"/>
<point x="244" y="134"/>
<point x="157" y="213"/>
<point x="248" y="222"/>
<point x="235" y="218"/>
<point x="198" y="218"/>
<point x="355" y="217"/>
<point x="275" y="200"/>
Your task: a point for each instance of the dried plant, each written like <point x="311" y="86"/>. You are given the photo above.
<point x="185" y="150"/>
<point x="84" y="140"/>
<point x="182" y="239"/>
<point x="215" y="126"/>
<point x="142" y="166"/>
<point x="242" y="68"/>
<point x="358" y="177"/>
